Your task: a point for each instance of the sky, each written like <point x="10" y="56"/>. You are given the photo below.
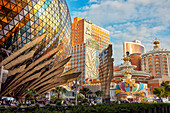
<point x="127" y="20"/>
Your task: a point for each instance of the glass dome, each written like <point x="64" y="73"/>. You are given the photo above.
<point x="22" y="20"/>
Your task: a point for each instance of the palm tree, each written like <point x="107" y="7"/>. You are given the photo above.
<point x="35" y="94"/>
<point x="163" y="91"/>
<point x="85" y="91"/>
<point x="59" y="90"/>
<point x="99" y="93"/>
<point x="166" y="85"/>
<point x="31" y="93"/>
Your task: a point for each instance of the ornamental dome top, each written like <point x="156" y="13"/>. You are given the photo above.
<point x="156" y="42"/>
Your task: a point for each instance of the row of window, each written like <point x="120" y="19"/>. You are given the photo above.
<point x="76" y="50"/>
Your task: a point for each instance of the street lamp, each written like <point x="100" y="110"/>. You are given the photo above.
<point x="3" y="74"/>
<point x="75" y="86"/>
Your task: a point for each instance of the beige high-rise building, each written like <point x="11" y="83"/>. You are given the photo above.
<point x="88" y="40"/>
<point x="83" y="29"/>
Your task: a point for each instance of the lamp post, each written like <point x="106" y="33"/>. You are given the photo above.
<point x="75" y="85"/>
<point x="4" y="73"/>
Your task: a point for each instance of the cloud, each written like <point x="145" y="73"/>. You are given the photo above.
<point x="129" y="20"/>
<point x="114" y="11"/>
<point x="90" y="1"/>
<point x="132" y="31"/>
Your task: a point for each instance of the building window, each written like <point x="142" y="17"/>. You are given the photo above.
<point x="164" y="59"/>
<point x="157" y="72"/>
<point x="157" y="59"/>
<point x="157" y="62"/>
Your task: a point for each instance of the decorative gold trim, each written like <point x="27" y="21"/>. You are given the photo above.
<point x="24" y="48"/>
<point x="35" y="63"/>
<point x="48" y="77"/>
<point x="20" y="59"/>
<point x="62" y="63"/>
<point x="16" y="70"/>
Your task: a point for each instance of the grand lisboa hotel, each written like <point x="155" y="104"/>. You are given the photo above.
<point x="35" y="43"/>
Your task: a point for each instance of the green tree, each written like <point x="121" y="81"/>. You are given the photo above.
<point x="166" y="85"/>
<point x="159" y="91"/>
<point x="32" y="94"/>
<point x="80" y="96"/>
<point x="85" y="91"/>
<point x="59" y="90"/>
<point x="43" y="96"/>
<point x="163" y="91"/>
<point x="52" y="97"/>
<point x="99" y="93"/>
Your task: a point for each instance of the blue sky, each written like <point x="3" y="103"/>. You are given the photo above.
<point x="127" y="20"/>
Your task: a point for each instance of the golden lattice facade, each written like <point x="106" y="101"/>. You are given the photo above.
<point x="35" y="41"/>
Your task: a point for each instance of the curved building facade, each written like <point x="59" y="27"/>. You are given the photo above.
<point x="133" y="47"/>
<point x="156" y="61"/>
<point x="22" y="20"/>
<point x="35" y="40"/>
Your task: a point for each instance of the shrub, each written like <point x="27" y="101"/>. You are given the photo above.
<point x="12" y="109"/>
<point x="2" y="106"/>
<point x="30" y="109"/>
<point x="79" y="103"/>
<point x="19" y="104"/>
<point x="48" y="104"/>
<point x="58" y="103"/>
<point x="85" y="100"/>
<point x="86" y="104"/>
<point x="37" y="105"/>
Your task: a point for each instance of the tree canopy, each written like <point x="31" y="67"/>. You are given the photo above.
<point x="99" y="93"/>
<point x="163" y="91"/>
<point x="85" y="91"/>
<point x="31" y="93"/>
<point x="59" y="90"/>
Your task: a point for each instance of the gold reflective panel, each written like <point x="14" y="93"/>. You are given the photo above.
<point x="38" y="36"/>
